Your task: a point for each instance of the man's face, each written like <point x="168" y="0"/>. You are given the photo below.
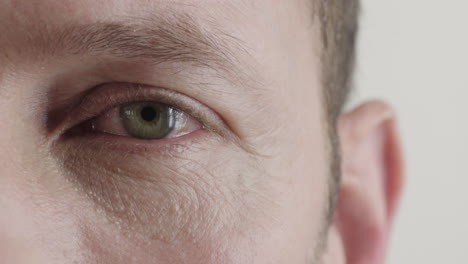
<point x="156" y="131"/>
<point x="242" y="177"/>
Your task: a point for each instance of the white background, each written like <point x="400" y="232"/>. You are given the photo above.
<point x="414" y="54"/>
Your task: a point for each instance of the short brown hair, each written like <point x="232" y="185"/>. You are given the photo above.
<point x="338" y="28"/>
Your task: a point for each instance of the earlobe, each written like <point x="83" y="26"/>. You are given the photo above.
<point x="372" y="176"/>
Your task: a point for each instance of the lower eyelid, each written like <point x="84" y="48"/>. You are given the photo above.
<point x="118" y="144"/>
<point x="112" y="95"/>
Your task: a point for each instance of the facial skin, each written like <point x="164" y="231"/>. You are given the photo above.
<point x="247" y="180"/>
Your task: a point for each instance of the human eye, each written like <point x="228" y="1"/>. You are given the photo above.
<point x="146" y="120"/>
<point x="137" y="149"/>
<point x="127" y="113"/>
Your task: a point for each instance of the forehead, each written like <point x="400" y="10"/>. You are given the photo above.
<point x="282" y="54"/>
<point x="266" y="28"/>
<point x="222" y="12"/>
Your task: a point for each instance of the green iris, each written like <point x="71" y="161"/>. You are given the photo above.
<point x="147" y="120"/>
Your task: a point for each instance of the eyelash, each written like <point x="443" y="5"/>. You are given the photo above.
<point x="108" y="96"/>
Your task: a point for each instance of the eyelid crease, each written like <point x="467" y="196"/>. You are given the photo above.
<point x="107" y="96"/>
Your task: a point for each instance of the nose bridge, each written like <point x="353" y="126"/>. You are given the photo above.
<point x="9" y="168"/>
<point x="16" y="224"/>
<point x="37" y="210"/>
<point x="10" y="124"/>
<point x="13" y="130"/>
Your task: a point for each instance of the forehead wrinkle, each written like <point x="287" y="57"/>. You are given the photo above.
<point x="177" y="38"/>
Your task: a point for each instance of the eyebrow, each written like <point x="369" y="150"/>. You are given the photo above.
<point x="179" y="39"/>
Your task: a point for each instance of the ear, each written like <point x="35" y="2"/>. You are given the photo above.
<point x="372" y="179"/>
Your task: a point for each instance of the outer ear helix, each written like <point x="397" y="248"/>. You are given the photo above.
<point x="372" y="176"/>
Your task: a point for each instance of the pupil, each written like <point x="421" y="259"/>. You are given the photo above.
<point x="148" y="113"/>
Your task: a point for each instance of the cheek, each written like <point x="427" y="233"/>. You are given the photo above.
<point x="207" y="203"/>
<point x="203" y="201"/>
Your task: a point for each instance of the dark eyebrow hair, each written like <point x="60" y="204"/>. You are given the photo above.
<point x="170" y="40"/>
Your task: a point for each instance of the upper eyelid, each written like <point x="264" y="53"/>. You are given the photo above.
<point x="89" y="108"/>
<point x="107" y="96"/>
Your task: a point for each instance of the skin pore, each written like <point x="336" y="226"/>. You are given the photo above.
<point x="244" y="179"/>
